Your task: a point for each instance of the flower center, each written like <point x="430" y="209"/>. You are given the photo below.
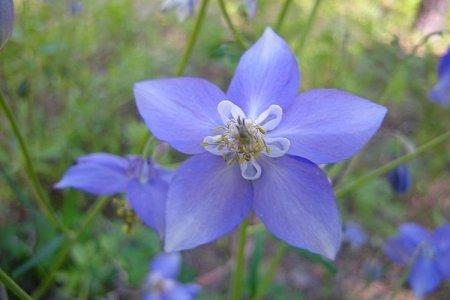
<point x="243" y="139"/>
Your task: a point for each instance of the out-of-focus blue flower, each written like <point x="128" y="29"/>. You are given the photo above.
<point x="440" y="93"/>
<point x="250" y="8"/>
<point x="75" y="7"/>
<point x="144" y="183"/>
<point x="162" y="284"/>
<point x="256" y="147"/>
<point x="400" y="179"/>
<point x="354" y="235"/>
<point x="372" y="269"/>
<point x="428" y="253"/>
<point x="186" y="8"/>
<point x="6" y="20"/>
<point x="183" y="8"/>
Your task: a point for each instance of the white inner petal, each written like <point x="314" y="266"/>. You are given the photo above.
<point x="270" y="118"/>
<point x="229" y="111"/>
<point x="250" y="170"/>
<point x="211" y="145"/>
<point x="276" y="147"/>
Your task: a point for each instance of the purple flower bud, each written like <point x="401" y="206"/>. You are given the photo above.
<point x="6" y="20"/>
<point x="400" y="179"/>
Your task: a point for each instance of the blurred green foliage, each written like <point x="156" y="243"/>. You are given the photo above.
<point x="69" y="78"/>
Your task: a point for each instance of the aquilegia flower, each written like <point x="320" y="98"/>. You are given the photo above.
<point x="6" y="20"/>
<point x="354" y="235"/>
<point x="256" y="148"/>
<point x="186" y="8"/>
<point x="427" y="253"/>
<point x="162" y="284"/>
<point x="400" y="179"/>
<point x="144" y="183"/>
<point x="183" y="8"/>
<point x="440" y="93"/>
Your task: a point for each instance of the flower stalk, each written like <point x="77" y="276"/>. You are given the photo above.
<point x="312" y="16"/>
<point x="40" y="195"/>
<point x="273" y="266"/>
<point x="237" y="36"/>
<point x="237" y="281"/>
<point x="13" y="286"/>
<point x="192" y="39"/>
<point x="392" y="165"/>
<point x="282" y="15"/>
<point x="67" y="246"/>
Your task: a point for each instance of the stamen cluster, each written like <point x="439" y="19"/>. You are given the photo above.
<point x="240" y="140"/>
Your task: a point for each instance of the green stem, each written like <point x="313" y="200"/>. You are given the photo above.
<point x="67" y="246"/>
<point x="273" y="266"/>
<point x="392" y="165"/>
<point x="13" y="286"/>
<point x="237" y="281"/>
<point x="312" y="16"/>
<point x="237" y="36"/>
<point x="186" y="53"/>
<point x="40" y="195"/>
<point x="192" y="39"/>
<point x="282" y="15"/>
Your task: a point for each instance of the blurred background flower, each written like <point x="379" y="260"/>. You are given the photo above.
<point x="354" y="235"/>
<point x="400" y="179"/>
<point x="6" y="20"/>
<point x="425" y="255"/>
<point x="440" y="93"/>
<point x="162" y="284"/>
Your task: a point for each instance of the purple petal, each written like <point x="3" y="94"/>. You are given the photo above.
<point x="267" y="74"/>
<point x="180" y="111"/>
<point x="441" y="242"/>
<point x="164" y="173"/>
<point x="440" y="93"/>
<point x="250" y="8"/>
<point x="444" y="63"/>
<point x="400" y="248"/>
<point x="105" y="159"/>
<point x="354" y="234"/>
<point x="207" y="199"/>
<point x="148" y="200"/>
<point x="295" y="201"/>
<point x="180" y="292"/>
<point x="424" y="276"/>
<point x="99" y="174"/>
<point x="327" y="125"/>
<point x="167" y="265"/>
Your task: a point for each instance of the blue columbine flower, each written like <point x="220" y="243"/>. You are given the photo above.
<point x="186" y="8"/>
<point x="400" y="179"/>
<point x="250" y="8"/>
<point x="354" y="235"/>
<point x="183" y="8"/>
<point x="441" y="91"/>
<point x="144" y="183"/>
<point x="428" y="253"/>
<point x="162" y="284"/>
<point x="6" y="20"/>
<point x="256" y="147"/>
